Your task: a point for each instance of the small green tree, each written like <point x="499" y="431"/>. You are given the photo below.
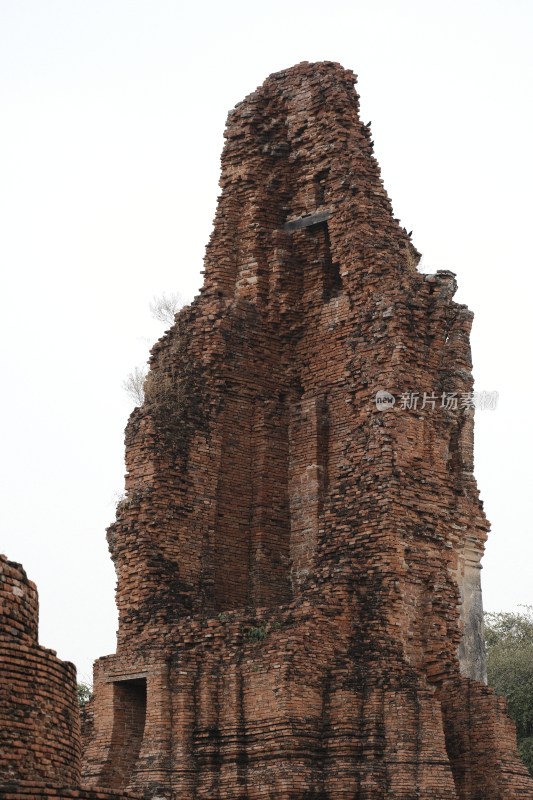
<point x="509" y="642"/>
<point x="85" y="692"/>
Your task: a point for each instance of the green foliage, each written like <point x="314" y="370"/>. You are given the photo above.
<point x="257" y="633"/>
<point x="85" y="692"/>
<point x="509" y="642"/>
<point x="525" y="747"/>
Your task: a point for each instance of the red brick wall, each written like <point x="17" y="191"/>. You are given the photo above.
<point x="40" y="744"/>
<point x="296" y="566"/>
<point x="39" y="717"/>
<point x="26" y="790"/>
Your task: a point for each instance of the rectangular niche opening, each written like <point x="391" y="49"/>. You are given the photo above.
<point x="129" y="717"/>
<point x="320" y="183"/>
<point x="331" y="276"/>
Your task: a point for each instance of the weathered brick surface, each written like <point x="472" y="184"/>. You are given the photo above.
<point x="39" y="719"/>
<point x="298" y="570"/>
<point x="40" y="744"/>
<point x="27" y="790"/>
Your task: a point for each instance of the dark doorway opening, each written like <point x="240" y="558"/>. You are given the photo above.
<point x="129" y="717"/>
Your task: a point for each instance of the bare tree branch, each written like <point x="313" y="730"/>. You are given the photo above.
<point x="165" y="307"/>
<point x="134" y="384"/>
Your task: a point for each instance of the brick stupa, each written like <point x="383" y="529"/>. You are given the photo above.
<point x="298" y="567"/>
<point x="40" y="746"/>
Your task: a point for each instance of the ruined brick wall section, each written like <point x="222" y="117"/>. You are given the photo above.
<point x="277" y="703"/>
<point x="27" y="790"/>
<point x="133" y="730"/>
<point x="296" y="147"/>
<point x="425" y="455"/>
<point x="39" y="715"/>
<point x="19" y="603"/>
<point x="181" y="540"/>
<point x="280" y="703"/>
<point x="476" y="724"/>
<point x="39" y="718"/>
<point x="298" y="569"/>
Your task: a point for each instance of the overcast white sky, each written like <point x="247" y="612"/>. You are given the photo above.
<point x="111" y="132"/>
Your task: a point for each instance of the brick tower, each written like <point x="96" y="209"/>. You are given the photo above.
<point x="298" y="566"/>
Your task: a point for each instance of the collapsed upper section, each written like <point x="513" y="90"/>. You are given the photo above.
<point x="297" y="156"/>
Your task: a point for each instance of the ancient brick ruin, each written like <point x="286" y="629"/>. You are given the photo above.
<point x="298" y="566"/>
<point x="40" y="747"/>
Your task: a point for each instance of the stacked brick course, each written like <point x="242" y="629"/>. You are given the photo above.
<point x="40" y="744"/>
<point x="39" y="718"/>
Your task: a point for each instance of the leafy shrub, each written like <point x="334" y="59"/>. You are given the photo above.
<point x="509" y="642"/>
